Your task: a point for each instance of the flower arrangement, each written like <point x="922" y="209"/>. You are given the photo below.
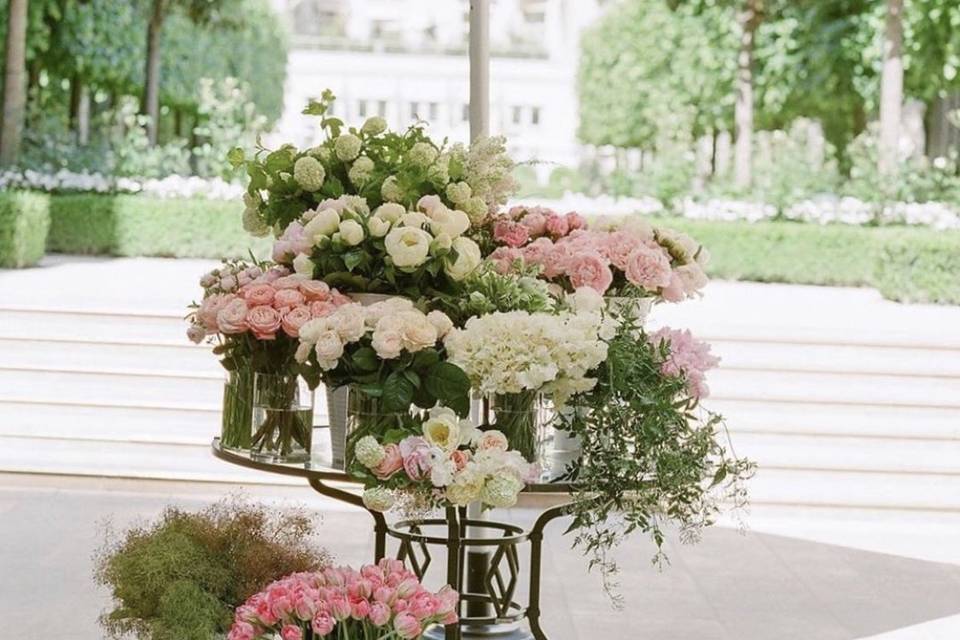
<point x="631" y="258"/>
<point x="390" y="350"/>
<point x="388" y="250"/>
<point x="440" y="460"/>
<point x="384" y="601"/>
<point x="376" y="164"/>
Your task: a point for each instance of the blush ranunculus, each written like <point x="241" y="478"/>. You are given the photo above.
<point x="264" y="322"/>
<point x="589" y="270"/>
<point x="232" y="317"/>
<point x="391" y="463"/>
<point x="648" y="268"/>
<point x="287" y="298"/>
<point x="512" y="234"/>
<point x="210" y="307"/>
<point x="295" y="318"/>
<point x="258" y="294"/>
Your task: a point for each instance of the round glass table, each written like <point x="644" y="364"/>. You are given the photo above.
<point x="488" y="580"/>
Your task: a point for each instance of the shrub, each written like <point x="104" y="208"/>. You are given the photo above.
<point x="24" y="222"/>
<point x="127" y="225"/>
<point x="181" y="577"/>
<point x="920" y="268"/>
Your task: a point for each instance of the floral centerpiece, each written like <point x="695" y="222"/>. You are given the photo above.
<point x="384" y="601"/>
<point x="440" y="460"/>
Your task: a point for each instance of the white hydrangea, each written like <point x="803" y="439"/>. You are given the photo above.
<point x="309" y="173"/>
<point x="501" y="490"/>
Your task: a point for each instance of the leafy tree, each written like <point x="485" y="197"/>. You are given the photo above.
<point x="14" y="85"/>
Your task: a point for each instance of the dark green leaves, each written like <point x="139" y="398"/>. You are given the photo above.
<point x="397" y="393"/>
<point x="450" y="386"/>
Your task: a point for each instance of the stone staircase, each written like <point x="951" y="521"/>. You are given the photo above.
<point x="836" y="417"/>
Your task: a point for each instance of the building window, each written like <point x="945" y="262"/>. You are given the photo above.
<point x="362" y="108"/>
<point x="517" y="115"/>
<point x="381" y="108"/>
<point x="535" y="115"/>
<point x="434" y="110"/>
<point x="414" y="110"/>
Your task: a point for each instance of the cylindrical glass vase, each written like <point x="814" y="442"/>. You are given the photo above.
<point x="366" y="417"/>
<point x="520" y="417"/>
<point x="282" y="423"/>
<point x="237" y="409"/>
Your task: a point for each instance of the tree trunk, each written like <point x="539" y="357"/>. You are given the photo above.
<point x="14" y="83"/>
<point x="151" y="90"/>
<point x="83" y="117"/>
<point x="748" y="19"/>
<point x="891" y="88"/>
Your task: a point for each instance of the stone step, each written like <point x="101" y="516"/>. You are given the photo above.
<point x="150" y="327"/>
<point x="107" y="355"/>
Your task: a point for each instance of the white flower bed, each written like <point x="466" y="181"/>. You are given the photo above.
<point x="170" y="187"/>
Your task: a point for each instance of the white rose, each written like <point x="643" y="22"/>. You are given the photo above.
<point x="349" y="322"/>
<point x="303" y="265"/>
<point x="323" y="224"/>
<point x="303" y="352"/>
<point x="408" y="246"/>
<point x="387" y="343"/>
<point x="468" y="258"/>
<point x="441" y="242"/>
<point x="329" y="347"/>
<point x="417" y="333"/>
<point x="390" y="211"/>
<point x="453" y="223"/>
<point x="351" y="233"/>
<point x="441" y="322"/>
<point x="378" y="227"/>
<point x="414" y="219"/>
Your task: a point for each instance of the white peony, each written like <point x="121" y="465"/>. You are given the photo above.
<point x="468" y="258"/>
<point x="414" y="219"/>
<point x="442" y="429"/>
<point x="452" y="222"/>
<point x="378" y="227"/>
<point x="322" y="225"/>
<point x="351" y="233"/>
<point x="442" y="242"/>
<point x="408" y="246"/>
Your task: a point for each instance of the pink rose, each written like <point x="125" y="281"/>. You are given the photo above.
<point x="537" y="251"/>
<point x="232" y="318"/>
<point x="295" y="318"/>
<point x="648" y="268"/>
<point x="339" y="299"/>
<point x="536" y="223"/>
<point x="315" y="289"/>
<point x="460" y="459"/>
<point x="380" y="614"/>
<point x="287" y="298"/>
<point x="291" y="632"/>
<point x="504" y="258"/>
<point x="557" y="226"/>
<point x="210" y="307"/>
<point x="510" y="233"/>
<point x="258" y="294"/>
<point x="493" y="440"/>
<point x="407" y="626"/>
<point x="391" y="463"/>
<point x="288" y="282"/>
<point x="264" y="322"/>
<point x="417" y="461"/>
<point x="590" y="270"/>
<point x="322" y="308"/>
<point x="575" y="221"/>
<point x="323" y="623"/>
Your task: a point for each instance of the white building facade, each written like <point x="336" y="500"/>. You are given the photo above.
<point x="407" y="60"/>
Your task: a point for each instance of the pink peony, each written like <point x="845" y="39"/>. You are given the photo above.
<point x="556" y="261"/>
<point x="688" y="358"/>
<point x="291" y="632"/>
<point x="407" y="626"/>
<point x="673" y="292"/>
<point x="557" y="226"/>
<point x="323" y="623"/>
<point x="589" y="270"/>
<point x="536" y="223"/>
<point x="264" y="322"/>
<point x="648" y="268"/>
<point x="417" y="461"/>
<point x="380" y="614"/>
<point x="504" y="259"/>
<point x="510" y="233"/>
<point x="288" y="298"/>
<point x="618" y="246"/>
<point x="575" y="221"/>
<point x="258" y="294"/>
<point x="391" y="463"/>
<point x="537" y="251"/>
<point x="295" y="318"/>
<point x="232" y="318"/>
<point x="315" y="289"/>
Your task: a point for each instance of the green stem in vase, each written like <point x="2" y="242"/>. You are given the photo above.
<point x="516" y="417"/>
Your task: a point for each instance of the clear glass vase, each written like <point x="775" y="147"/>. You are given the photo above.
<point x="237" y="409"/>
<point x="522" y="418"/>
<point x="282" y="423"/>
<point x="365" y="417"/>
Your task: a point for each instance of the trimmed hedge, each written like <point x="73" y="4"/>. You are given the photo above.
<point x="24" y="221"/>
<point x="920" y="269"/>
<point x="131" y="225"/>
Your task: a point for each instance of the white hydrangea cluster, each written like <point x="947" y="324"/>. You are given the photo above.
<point x="393" y="326"/>
<point x="488" y="170"/>
<point x="543" y="352"/>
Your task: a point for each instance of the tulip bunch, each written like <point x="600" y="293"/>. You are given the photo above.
<point x="378" y="602"/>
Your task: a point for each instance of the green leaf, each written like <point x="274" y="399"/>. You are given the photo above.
<point x="425" y="359"/>
<point x="450" y="385"/>
<point x="412" y="376"/>
<point x="315" y="108"/>
<point x="258" y="177"/>
<point x="365" y="359"/>
<point x="397" y="393"/>
<point x="235" y="157"/>
<point x="353" y="259"/>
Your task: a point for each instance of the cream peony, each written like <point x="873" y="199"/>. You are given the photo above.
<point x="390" y="211"/>
<point x="303" y="265"/>
<point x="414" y="219"/>
<point x="453" y="223"/>
<point x="323" y="224"/>
<point x="351" y="233"/>
<point x="442" y="429"/>
<point x="468" y="258"/>
<point x="378" y="227"/>
<point x="408" y="246"/>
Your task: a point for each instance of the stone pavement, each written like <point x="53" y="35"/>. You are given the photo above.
<point x="732" y="586"/>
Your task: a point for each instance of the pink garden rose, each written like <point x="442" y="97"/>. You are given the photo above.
<point x="258" y="294"/>
<point x="589" y="270"/>
<point x="322" y="308"/>
<point x="493" y="441"/>
<point x="314" y="289"/>
<point x="210" y="307"/>
<point x="557" y="226"/>
<point x="407" y="626"/>
<point x="512" y="234"/>
<point x="295" y="318"/>
<point x="288" y="282"/>
<point x="648" y="268"/>
<point x="232" y="318"/>
<point x="391" y="463"/>
<point x="264" y="322"/>
<point x="288" y="298"/>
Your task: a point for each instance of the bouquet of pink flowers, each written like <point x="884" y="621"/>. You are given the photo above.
<point x="379" y="602"/>
<point x="632" y="259"/>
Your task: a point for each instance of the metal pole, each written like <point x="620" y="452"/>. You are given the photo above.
<point x="479" y="68"/>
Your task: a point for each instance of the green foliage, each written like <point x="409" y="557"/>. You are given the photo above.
<point x="650" y="456"/>
<point x="486" y="291"/>
<point x="128" y="225"/>
<point x="24" y="222"/>
<point x="180" y="577"/>
<point x="921" y="269"/>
